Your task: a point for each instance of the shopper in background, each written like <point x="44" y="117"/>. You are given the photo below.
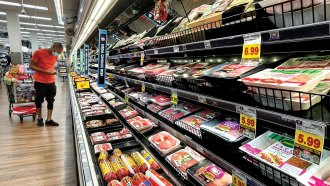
<point x="8" y="58"/>
<point x="43" y="62"/>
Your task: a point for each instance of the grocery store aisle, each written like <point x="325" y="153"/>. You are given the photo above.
<point x="32" y="155"/>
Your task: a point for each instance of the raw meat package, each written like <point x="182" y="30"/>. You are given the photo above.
<point x="122" y="134"/>
<point x="140" y="123"/>
<point x="156" y="108"/>
<point x="225" y="128"/>
<point x="99" y="139"/>
<point x="102" y="147"/>
<point x="295" y="80"/>
<point x="94" y="123"/>
<point x="193" y="121"/>
<point x="317" y="175"/>
<point x="189" y="107"/>
<point x="114" y="183"/>
<point x="140" y="179"/>
<point x="127" y="181"/>
<point x="164" y="142"/>
<point x="107" y="170"/>
<point x="317" y="62"/>
<point x="207" y="114"/>
<point x="295" y="166"/>
<point x="128" y="112"/>
<point x="156" y="179"/>
<point x="296" y="102"/>
<point x="117" y="105"/>
<point x="161" y="100"/>
<point x="184" y="158"/>
<point x="228" y="70"/>
<point x="108" y="96"/>
<point x="207" y="173"/>
<point x="173" y="113"/>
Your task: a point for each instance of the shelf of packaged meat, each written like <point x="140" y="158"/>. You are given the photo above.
<point x="262" y="114"/>
<point x="177" y="136"/>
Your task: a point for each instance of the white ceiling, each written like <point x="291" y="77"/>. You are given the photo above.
<point x="55" y="32"/>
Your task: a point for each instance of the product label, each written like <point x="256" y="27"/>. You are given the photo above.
<point x="174" y="98"/>
<point x="251" y="49"/>
<point x="238" y="179"/>
<point x="212" y="173"/>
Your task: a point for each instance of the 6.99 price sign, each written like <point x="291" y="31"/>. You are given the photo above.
<point x="251" y="51"/>
<point x="309" y="141"/>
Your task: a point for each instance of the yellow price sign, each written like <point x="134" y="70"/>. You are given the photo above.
<point x="143" y="88"/>
<point x="83" y="85"/>
<point x="126" y="98"/>
<point x="311" y="141"/>
<point x="251" y="51"/>
<point x="110" y="76"/>
<point x="238" y="180"/>
<point x="174" y="98"/>
<point x="72" y="74"/>
<point x="247" y="121"/>
<point x="79" y="79"/>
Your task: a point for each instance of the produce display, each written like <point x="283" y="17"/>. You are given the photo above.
<point x="164" y="142"/>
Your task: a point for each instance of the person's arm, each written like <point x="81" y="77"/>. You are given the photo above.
<point x="33" y="66"/>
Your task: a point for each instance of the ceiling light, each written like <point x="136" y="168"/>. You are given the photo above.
<point x="25" y="36"/>
<point x="24" y="5"/>
<point x="35" y="17"/>
<point x="23" y="23"/>
<point x="3" y="21"/>
<point x="59" y="26"/>
<point x="59" y="11"/>
<point x="25" y="32"/>
<point x="2" y="13"/>
<point x="32" y="29"/>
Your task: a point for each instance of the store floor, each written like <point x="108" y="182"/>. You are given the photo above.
<point x="32" y="155"/>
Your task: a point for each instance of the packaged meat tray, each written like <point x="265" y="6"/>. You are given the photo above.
<point x="228" y="70"/>
<point x="317" y="62"/>
<point x="94" y="123"/>
<point x="297" y="102"/>
<point x="99" y="139"/>
<point x="173" y="113"/>
<point x="161" y="100"/>
<point x="102" y="147"/>
<point x="317" y="175"/>
<point x="117" y="105"/>
<point x="192" y="124"/>
<point x="140" y="123"/>
<point x="207" y="173"/>
<point x="189" y="107"/>
<point x="294" y="80"/>
<point x="164" y="142"/>
<point x="184" y="158"/>
<point x="108" y="96"/>
<point x="156" y="108"/>
<point x="207" y="114"/>
<point x="128" y="112"/>
<point x="224" y="127"/>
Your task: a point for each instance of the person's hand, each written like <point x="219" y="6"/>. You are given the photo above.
<point x="50" y="72"/>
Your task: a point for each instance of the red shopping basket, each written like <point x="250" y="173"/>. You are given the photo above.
<point x="24" y="111"/>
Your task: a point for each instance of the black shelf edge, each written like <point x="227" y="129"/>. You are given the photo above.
<point x="128" y="55"/>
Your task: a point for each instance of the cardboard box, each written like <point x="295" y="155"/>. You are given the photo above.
<point x="214" y="20"/>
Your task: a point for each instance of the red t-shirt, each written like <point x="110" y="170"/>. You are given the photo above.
<point x="45" y="61"/>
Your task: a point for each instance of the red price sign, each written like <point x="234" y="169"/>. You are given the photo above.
<point x="248" y="121"/>
<point x="251" y="51"/>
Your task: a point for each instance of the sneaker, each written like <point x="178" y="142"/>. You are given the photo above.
<point x="52" y="123"/>
<point x="40" y="122"/>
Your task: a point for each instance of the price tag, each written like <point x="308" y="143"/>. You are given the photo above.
<point x="126" y="98"/>
<point x="202" y="99"/>
<point x="143" y="87"/>
<point x="110" y="76"/>
<point x="248" y="121"/>
<point x="184" y="48"/>
<point x="309" y="141"/>
<point x="83" y="85"/>
<point x="142" y="59"/>
<point x="251" y="49"/>
<point x="176" y="49"/>
<point x="207" y="44"/>
<point x="174" y="98"/>
<point x="238" y="179"/>
<point x="155" y="51"/>
<point x="79" y="79"/>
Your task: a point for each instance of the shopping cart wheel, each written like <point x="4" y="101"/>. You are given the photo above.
<point x="34" y="117"/>
<point x="10" y="113"/>
<point x="21" y="118"/>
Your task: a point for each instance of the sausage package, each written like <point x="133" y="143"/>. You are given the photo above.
<point x="114" y="183"/>
<point x="140" y="161"/>
<point x="140" y="179"/>
<point x="157" y="179"/>
<point x="107" y="171"/>
<point x="153" y="164"/>
<point x="127" y="181"/>
<point x="119" y="167"/>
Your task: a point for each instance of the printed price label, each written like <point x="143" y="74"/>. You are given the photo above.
<point x="83" y="85"/>
<point x="126" y="98"/>
<point x="176" y="49"/>
<point x="142" y="59"/>
<point x="248" y="121"/>
<point x="251" y="51"/>
<point x="155" y="51"/>
<point x="79" y="79"/>
<point x="143" y="87"/>
<point x="174" y="98"/>
<point x="207" y="44"/>
<point x="202" y="99"/>
<point x="238" y="179"/>
<point x="309" y="141"/>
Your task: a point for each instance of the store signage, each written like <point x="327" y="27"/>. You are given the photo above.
<point x="81" y="61"/>
<point x="238" y="179"/>
<point x="251" y="49"/>
<point x="103" y="38"/>
<point x="143" y="87"/>
<point x="82" y="85"/>
<point x="86" y="59"/>
<point x="248" y="121"/>
<point x="309" y="141"/>
<point x="75" y="61"/>
<point x="174" y="98"/>
<point x="79" y="79"/>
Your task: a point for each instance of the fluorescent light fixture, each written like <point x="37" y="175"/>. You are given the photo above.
<point x="59" y="26"/>
<point x="32" y="29"/>
<point x="2" y="13"/>
<point x="25" y="32"/>
<point x="23" y="23"/>
<point x="24" y="5"/>
<point x="3" y="21"/>
<point x="25" y="36"/>
<point x="34" y="17"/>
<point x="50" y="35"/>
<point x="59" y="11"/>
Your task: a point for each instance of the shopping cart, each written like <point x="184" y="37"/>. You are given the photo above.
<point x="21" y="96"/>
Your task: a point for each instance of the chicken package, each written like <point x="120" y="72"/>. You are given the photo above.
<point x="157" y="179"/>
<point x="164" y="142"/>
<point x="209" y="174"/>
<point x="185" y="158"/>
<point x="127" y="181"/>
<point x="140" y="123"/>
<point x="114" y="183"/>
<point x="128" y="112"/>
<point x="107" y="170"/>
<point x="119" y="167"/>
<point x="102" y="147"/>
<point x="161" y="100"/>
<point x="153" y="164"/>
<point x="140" y="179"/>
<point x="140" y="161"/>
<point x="111" y="121"/>
<point x="193" y="121"/>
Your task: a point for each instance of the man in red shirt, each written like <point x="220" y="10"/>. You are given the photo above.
<point x="43" y="63"/>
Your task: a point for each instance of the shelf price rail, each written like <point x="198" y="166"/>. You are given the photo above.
<point x="190" y="142"/>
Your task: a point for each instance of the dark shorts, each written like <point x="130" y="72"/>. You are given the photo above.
<point x="45" y="91"/>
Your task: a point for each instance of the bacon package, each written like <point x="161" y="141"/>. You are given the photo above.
<point x="164" y="142"/>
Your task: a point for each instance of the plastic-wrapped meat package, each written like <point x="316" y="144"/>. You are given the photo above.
<point x="128" y="112"/>
<point x="156" y="108"/>
<point x="92" y="113"/>
<point x="164" y="142"/>
<point x="173" y="113"/>
<point x="102" y="147"/>
<point x="111" y="121"/>
<point x="207" y="114"/>
<point x="161" y="100"/>
<point x="108" y="96"/>
<point x="140" y="179"/>
<point x="140" y="123"/>
<point x="189" y="107"/>
<point x="157" y="70"/>
<point x="157" y="179"/>
<point x="228" y="70"/>
<point x="97" y="133"/>
<point x="193" y="121"/>
<point x="99" y="139"/>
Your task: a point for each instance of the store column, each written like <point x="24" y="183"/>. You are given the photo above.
<point x="14" y="36"/>
<point x="34" y="41"/>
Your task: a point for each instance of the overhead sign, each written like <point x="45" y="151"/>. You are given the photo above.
<point x="81" y="61"/>
<point x="103" y="38"/>
<point x="86" y="59"/>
